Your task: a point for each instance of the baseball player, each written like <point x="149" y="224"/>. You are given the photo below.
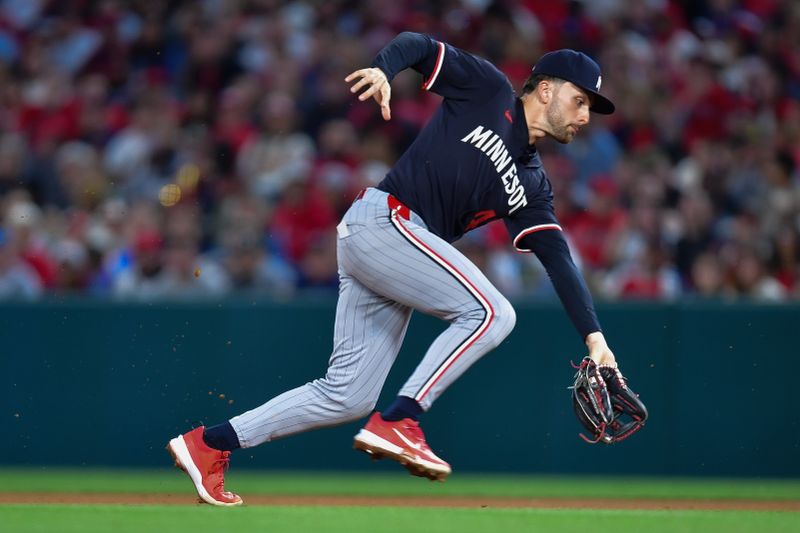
<point x="476" y="161"/>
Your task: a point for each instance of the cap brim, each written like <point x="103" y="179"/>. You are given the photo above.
<point x="601" y="104"/>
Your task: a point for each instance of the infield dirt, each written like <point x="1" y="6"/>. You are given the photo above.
<point x="459" y="502"/>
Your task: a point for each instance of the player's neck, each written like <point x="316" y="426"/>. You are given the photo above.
<point x="535" y="117"/>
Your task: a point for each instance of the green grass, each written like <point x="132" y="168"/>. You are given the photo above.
<point x="399" y="484"/>
<point x="124" y="519"/>
<point x="379" y="519"/>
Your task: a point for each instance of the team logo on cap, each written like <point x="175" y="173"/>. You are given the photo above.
<point x="599" y="81"/>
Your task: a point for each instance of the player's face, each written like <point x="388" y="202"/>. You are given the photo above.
<point x="567" y="112"/>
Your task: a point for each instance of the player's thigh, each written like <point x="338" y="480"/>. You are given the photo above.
<point x="368" y="333"/>
<point x="366" y="322"/>
<point x="408" y="264"/>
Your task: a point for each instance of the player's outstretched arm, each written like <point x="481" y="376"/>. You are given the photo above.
<point x="447" y="71"/>
<point x="552" y="250"/>
<point x="377" y="86"/>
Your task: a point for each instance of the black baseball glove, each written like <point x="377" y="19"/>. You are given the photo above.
<point x="604" y="404"/>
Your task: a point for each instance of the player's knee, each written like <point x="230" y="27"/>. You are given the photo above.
<point x="505" y="317"/>
<point x="358" y="407"/>
<point x="501" y="316"/>
<point x="340" y="400"/>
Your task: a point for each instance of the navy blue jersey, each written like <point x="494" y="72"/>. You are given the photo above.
<point x="473" y="163"/>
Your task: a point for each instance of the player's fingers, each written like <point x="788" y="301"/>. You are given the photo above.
<point x="355" y="88"/>
<point x="355" y="74"/>
<point x="372" y="90"/>
<point x="386" y="96"/>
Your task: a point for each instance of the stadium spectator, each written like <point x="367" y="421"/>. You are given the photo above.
<point x="18" y="280"/>
<point x="238" y="105"/>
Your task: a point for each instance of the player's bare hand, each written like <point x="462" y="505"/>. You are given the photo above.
<point x="599" y="351"/>
<point x="377" y="87"/>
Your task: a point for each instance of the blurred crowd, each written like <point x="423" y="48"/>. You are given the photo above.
<point x="197" y="148"/>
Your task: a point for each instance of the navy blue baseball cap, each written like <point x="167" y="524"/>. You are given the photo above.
<point x="579" y="69"/>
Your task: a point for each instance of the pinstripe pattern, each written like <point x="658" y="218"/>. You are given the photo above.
<point x="488" y="315"/>
<point x="386" y="271"/>
<point x="366" y="341"/>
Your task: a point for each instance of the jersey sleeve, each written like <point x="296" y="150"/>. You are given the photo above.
<point x="446" y="70"/>
<point x="537" y="214"/>
<point x="536" y="229"/>
<point x="531" y="220"/>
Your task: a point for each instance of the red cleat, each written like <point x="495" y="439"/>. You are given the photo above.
<point x="206" y="466"/>
<point x="404" y="442"/>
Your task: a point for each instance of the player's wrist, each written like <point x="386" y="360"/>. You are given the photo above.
<point x="599" y="351"/>
<point x="595" y="339"/>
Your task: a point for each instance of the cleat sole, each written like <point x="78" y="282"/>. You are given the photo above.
<point x="414" y="468"/>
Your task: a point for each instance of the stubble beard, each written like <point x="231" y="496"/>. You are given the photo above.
<point x="559" y="129"/>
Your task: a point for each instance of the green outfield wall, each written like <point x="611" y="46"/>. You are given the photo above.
<point x="97" y="383"/>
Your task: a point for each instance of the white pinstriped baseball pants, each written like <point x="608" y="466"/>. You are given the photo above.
<point x="389" y="265"/>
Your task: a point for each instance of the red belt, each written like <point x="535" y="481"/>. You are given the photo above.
<point x="394" y="205"/>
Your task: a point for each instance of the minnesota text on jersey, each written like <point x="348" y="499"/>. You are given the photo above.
<point x="495" y="149"/>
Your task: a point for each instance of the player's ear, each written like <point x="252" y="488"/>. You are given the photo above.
<point x="544" y="91"/>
